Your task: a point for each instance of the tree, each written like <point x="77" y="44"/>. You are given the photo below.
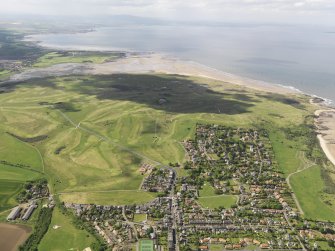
<point x="218" y="191"/>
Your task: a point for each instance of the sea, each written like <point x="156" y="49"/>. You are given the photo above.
<point x="297" y="56"/>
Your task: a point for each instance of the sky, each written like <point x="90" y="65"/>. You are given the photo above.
<point x="286" y="11"/>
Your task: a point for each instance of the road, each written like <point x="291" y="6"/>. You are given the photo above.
<point x="294" y="230"/>
<point x="131" y="224"/>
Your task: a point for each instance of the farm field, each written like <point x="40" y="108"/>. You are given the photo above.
<point x="63" y="235"/>
<point x="19" y="162"/>
<point x="94" y="132"/>
<point x="12" y="236"/>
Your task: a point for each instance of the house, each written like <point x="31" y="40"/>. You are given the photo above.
<point x="264" y="246"/>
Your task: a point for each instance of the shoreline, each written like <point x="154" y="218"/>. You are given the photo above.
<point x="149" y="62"/>
<point x="325" y="124"/>
<point x="33" y="38"/>
<point x="144" y="63"/>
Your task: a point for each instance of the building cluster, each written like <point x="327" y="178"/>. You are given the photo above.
<point x="22" y="212"/>
<point x="117" y="225"/>
<point x="34" y="190"/>
<point x="28" y="198"/>
<point x="11" y="65"/>
<point x="238" y="162"/>
<point x="108" y="221"/>
<point x="159" y="180"/>
<point x="145" y="168"/>
<point x="233" y="161"/>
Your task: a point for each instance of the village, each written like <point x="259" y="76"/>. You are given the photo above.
<point x="29" y="199"/>
<point x="233" y="161"/>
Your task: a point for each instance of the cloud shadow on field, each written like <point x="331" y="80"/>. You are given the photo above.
<point x="170" y="93"/>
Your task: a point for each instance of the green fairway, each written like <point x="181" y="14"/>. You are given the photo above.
<point x="15" y="152"/>
<point x="226" y="201"/>
<point x="53" y="58"/>
<point x="17" y="173"/>
<point x="287" y="157"/>
<point x="308" y="187"/>
<point x="109" y="198"/>
<point x="62" y="235"/>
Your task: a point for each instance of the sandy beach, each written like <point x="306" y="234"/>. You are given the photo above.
<point x="150" y="63"/>
<point x="325" y="123"/>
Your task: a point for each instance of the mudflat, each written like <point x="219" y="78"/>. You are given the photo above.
<point x="12" y="236"/>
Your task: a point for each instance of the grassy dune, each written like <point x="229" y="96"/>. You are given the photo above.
<point x="122" y="124"/>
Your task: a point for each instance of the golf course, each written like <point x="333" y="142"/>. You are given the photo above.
<point x="89" y="135"/>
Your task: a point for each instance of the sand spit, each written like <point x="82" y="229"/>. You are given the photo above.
<point x="149" y="63"/>
<point x="325" y="122"/>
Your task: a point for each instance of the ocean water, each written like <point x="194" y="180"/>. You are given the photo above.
<point x="291" y="55"/>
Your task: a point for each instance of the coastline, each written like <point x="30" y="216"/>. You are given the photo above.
<point x="141" y="63"/>
<point x="239" y="79"/>
<point x="325" y="124"/>
<point x="144" y="63"/>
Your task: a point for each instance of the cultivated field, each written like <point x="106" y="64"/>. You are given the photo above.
<point x="12" y="236"/>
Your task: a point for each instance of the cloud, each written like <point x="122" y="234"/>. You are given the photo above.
<point x="176" y="9"/>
